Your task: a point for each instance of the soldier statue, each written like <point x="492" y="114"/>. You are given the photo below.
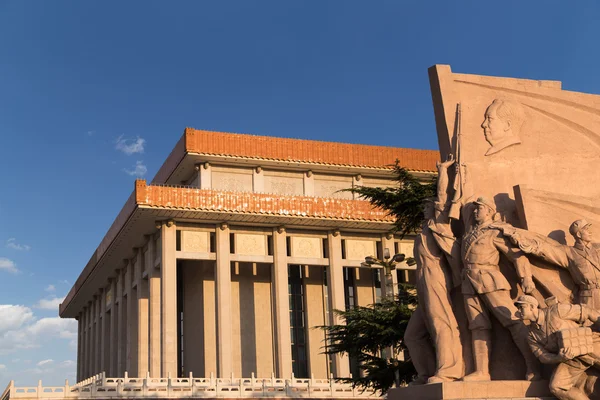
<point x="487" y="290"/>
<point x="582" y="260"/>
<point x="437" y="254"/>
<point x="557" y="337"/>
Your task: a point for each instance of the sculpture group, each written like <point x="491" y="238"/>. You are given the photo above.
<point x="460" y="277"/>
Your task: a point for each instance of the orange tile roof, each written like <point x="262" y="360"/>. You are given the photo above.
<point x="311" y="151"/>
<point x="256" y="203"/>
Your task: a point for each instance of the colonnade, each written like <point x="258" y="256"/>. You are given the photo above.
<point x="132" y="322"/>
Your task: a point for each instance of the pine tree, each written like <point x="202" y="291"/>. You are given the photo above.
<point x="368" y="333"/>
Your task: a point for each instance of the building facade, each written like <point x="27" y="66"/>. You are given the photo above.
<point x="239" y="247"/>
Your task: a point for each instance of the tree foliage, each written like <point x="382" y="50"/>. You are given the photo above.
<point x="368" y="333"/>
<point x="404" y="202"/>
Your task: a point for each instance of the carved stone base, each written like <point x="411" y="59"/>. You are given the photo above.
<point x="491" y="390"/>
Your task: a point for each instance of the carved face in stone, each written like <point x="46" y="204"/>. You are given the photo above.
<point x="482" y="213"/>
<point x="502" y="123"/>
<point x="428" y="210"/>
<point x="585" y="233"/>
<point x="494" y="128"/>
<point x="525" y="312"/>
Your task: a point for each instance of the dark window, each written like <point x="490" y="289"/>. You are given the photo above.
<point x="407" y="276"/>
<point x="297" y="321"/>
<point x="349" y="288"/>
<point x="213" y="243"/>
<point x="379" y="246"/>
<point x="232" y="243"/>
<point x="178" y="240"/>
<point x="377" y="284"/>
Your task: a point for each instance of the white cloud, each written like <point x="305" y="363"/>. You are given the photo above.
<point x="49" y="304"/>
<point x="139" y="170"/>
<point x="67" y="364"/>
<point x="2" y="366"/>
<point x="50" y="288"/>
<point x="33" y="335"/>
<point x="12" y="244"/>
<point x="44" y="362"/>
<point x="130" y="146"/>
<point x="13" y="317"/>
<point x="8" y="266"/>
<point x="90" y="133"/>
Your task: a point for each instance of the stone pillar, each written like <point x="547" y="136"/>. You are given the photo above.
<point x="113" y="329"/>
<point x="79" y="346"/>
<point x="128" y="325"/>
<point x="283" y="341"/>
<point x="387" y="242"/>
<point x="92" y="335"/>
<point x="81" y="361"/>
<point x="143" y="342"/>
<point x="103" y="338"/>
<point x="258" y="180"/>
<point x="84" y="332"/>
<point x="168" y="273"/>
<point x="98" y="334"/>
<point x="90" y="340"/>
<point x="120" y="328"/>
<point x="154" y="310"/>
<point x="335" y="282"/>
<point x="205" y="175"/>
<point x="142" y="317"/>
<point x="309" y="183"/>
<point x="223" y="299"/>
<point x="357" y="180"/>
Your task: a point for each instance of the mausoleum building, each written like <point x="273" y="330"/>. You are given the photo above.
<point x="229" y="258"/>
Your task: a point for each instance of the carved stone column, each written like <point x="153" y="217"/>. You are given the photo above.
<point x="90" y="342"/>
<point x="154" y="312"/>
<point x="223" y="296"/>
<point x="335" y="281"/>
<point x="142" y="316"/>
<point x="84" y="344"/>
<point x="79" y="345"/>
<point x="205" y="176"/>
<point x="98" y="334"/>
<point x="113" y="330"/>
<point x="283" y="341"/>
<point x="130" y="323"/>
<point x="168" y="273"/>
<point x="309" y="183"/>
<point x="119" y="306"/>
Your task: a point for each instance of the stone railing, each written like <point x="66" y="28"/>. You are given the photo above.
<point x="101" y="387"/>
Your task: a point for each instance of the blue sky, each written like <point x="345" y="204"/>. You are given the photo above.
<point x="94" y="93"/>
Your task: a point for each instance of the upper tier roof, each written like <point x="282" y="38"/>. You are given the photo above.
<point x="254" y="147"/>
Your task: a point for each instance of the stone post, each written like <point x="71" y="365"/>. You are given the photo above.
<point x="283" y="341"/>
<point x="223" y="299"/>
<point x="168" y="273"/>
<point x="154" y="312"/>
<point x="120" y="367"/>
<point x="79" y="345"/>
<point x="335" y="282"/>
<point x="103" y="338"/>
<point x="113" y="329"/>
<point x="142" y="317"/>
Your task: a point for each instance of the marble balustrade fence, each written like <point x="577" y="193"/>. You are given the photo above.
<point x="102" y="387"/>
